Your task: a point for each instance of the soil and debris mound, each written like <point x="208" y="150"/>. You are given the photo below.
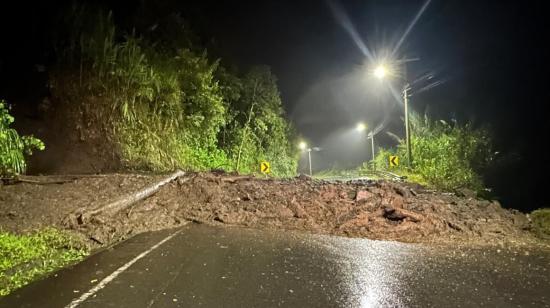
<point x="372" y="209"/>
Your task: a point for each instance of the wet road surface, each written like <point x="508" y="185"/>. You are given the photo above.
<point x="204" y="266"/>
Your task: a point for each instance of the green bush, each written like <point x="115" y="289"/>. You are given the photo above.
<point x="13" y="147"/>
<point x="541" y="222"/>
<point x="445" y="156"/>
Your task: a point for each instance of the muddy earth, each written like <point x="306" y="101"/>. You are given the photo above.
<point x="361" y="208"/>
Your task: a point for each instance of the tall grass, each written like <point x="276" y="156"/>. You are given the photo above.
<point x="155" y="107"/>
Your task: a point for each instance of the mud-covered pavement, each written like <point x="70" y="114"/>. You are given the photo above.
<point x="203" y="266"/>
<point x="371" y="209"/>
<point x="27" y="206"/>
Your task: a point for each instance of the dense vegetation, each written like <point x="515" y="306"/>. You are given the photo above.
<point x="158" y="102"/>
<point x="541" y="222"/>
<point x="13" y="147"/>
<point x="446" y="156"/>
<point x="24" y="258"/>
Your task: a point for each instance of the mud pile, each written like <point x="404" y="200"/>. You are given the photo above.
<point x="371" y="209"/>
<point x="26" y="206"/>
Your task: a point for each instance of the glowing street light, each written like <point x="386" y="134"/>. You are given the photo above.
<point x="381" y="71"/>
<point x="302" y="145"/>
<point x="361" y="127"/>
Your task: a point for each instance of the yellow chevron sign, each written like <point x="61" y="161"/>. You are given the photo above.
<point x="265" y="167"/>
<point x="394" y="161"/>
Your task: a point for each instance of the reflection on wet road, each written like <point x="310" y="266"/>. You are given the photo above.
<point x="205" y="266"/>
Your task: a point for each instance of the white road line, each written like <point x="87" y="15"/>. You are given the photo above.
<point x="106" y="280"/>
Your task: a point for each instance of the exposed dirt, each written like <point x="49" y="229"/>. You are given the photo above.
<point x="26" y="206"/>
<point x="76" y="142"/>
<point x="376" y="210"/>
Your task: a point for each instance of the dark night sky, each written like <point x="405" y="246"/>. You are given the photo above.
<point x="491" y="55"/>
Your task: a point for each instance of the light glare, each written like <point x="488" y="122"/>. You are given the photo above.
<point x="380" y="72"/>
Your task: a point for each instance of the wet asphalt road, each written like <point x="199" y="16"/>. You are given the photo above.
<point x="203" y="266"/>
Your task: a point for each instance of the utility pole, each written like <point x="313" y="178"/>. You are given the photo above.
<point x="407" y="133"/>
<point x="380" y="72"/>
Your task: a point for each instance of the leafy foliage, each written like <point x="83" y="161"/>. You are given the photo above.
<point x="23" y="258"/>
<point x="446" y="156"/>
<point x="165" y="106"/>
<point x="541" y="222"/>
<point x="259" y="131"/>
<point x="13" y="147"/>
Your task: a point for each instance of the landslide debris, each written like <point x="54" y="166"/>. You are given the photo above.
<point x="361" y="208"/>
<point x="371" y="209"/>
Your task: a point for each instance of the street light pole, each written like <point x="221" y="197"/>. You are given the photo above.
<point x="372" y="144"/>
<point x="361" y="127"/>
<point x="303" y="146"/>
<point x="309" y="158"/>
<point x="372" y="147"/>
<point x="407" y="133"/>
